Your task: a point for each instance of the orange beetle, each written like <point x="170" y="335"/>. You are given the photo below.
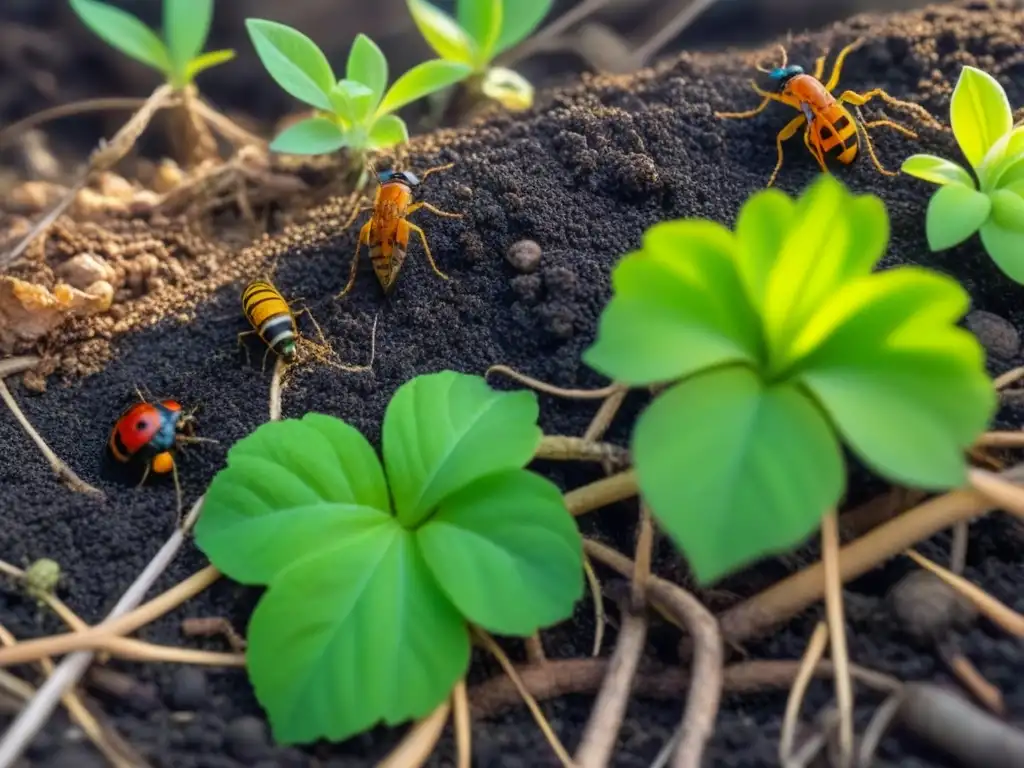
<point x="387" y="231"/>
<point x="830" y="128"/>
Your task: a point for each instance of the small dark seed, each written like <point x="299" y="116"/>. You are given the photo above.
<point x="246" y="738"/>
<point x="188" y="689"/>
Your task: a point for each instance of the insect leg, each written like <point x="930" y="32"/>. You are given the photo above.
<point x="177" y="491"/>
<point x="426" y="250"/>
<point x="890" y="124"/>
<point x="364" y="235"/>
<point x="243" y="345"/>
<point x="871" y="148"/>
<point x="145" y="474"/>
<point x="837" y="68"/>
<point x="819" y="65"/>
<point x="788" y="132"/>
<point x="860" y="99"/>
<point x="766" y="98"/>
<point x="814" y="150"/>
<point x="436" y="211"/>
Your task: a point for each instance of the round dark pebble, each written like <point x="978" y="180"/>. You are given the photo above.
<point x="188" y="690"/>
<point x="560" y="281"/>
<point x="246" y="738"/>
<point x="524" y="256"/>
<point x="76" y="757"/>
<point x="995" y="334"/>
<point x="527" y="288"/>
<point x="927" y="608"/>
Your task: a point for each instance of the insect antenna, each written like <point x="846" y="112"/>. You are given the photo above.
<point x="769" y="70"/>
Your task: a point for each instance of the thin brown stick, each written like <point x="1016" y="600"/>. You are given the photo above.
<point x="1009" y="496"/>
<point x="876" y="729"/>
<point x="550" y="389"/>
<point x="837" y="634"/>
<point x="996" y="439"/>
<point x="601" y="493"/>
<point x="786" y="598"/>
<point x="595" y="595"/>
<point x="57" y="645"/>
<point x="64" y="473"/>
<point x="415" y="749"/>
<point x="1010" y="377"/>
<point x="606" y="413"/>
<point x="462" y="726"/>
<point x="15" y="365"/>
<point x="208" y="626"/>
<point x="996" y="611"/>
<point x="565" y="448"/>
<point x="809" y="662"/>
<point x="552" y="738"/>
<point x="602" y="730"/>
<point x="67" y="110"/>
<point x="564" y="677"/>
<point x="706" y="685"/>
<point x="985" y="692"/>
<point x="535" y="649"/>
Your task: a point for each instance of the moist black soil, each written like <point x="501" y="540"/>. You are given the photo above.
<point x="583" y="175"/>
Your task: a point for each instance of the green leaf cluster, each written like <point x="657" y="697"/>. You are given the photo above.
<point x="179" y="56"/>
<point x="776" y="342"/>
<point x="480" y="31"/>
<point x="354" y="112"/>
<point x="375" y="571"/>
<point x="993" y="205"/>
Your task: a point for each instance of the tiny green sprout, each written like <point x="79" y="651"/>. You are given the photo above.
<point x="41" y="579"/>
<point x="480" y="31"/>
<point x="356" y="112"/>
<point x="990" y="202"/>
<point x="774" y="343"/>
<point x="179" y="56"/>
<point x="375" y="571"/>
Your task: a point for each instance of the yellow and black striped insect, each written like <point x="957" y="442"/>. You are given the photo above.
<point x="271" y="318"/>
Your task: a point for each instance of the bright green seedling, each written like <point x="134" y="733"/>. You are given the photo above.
<point x="775" y="342"/>
<point x="375" y="572"/>
<point x="480" y="31"/>
<point x="356" y="112"/>
<point x="991" y="201"/>
<point x="179" y="56"/>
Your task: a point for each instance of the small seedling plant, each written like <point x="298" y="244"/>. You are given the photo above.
<point x="376" y="572"/>
<point x="480" y="31"/>
<point x="178" y="56"/>
<point x="356" y="112"/>
<point x="991" y="200"/>
<point x="774" y="343"/>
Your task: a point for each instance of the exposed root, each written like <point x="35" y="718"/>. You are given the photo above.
<point x="595" y="594"/>
<point x="809" y="662"/>
<point x="564" y="677"/>
<point x="706" y="685"/>
<point x="601" y="493"/>
<point x="985" y="692"/>
<point x="67" y="110"/>
<point x="563" y="448"/>
<point x="996" y="611"/>
<point x="62" y="470"/>
<point x="462" y="726"/>
<point x="785" y="599"/>
<point x="997" y="439"/>
<point x="837" y="634"/>
<point x="873" y="734"/>
<point x="552" y="738"/>
<point x="550" y="389"/>
<point x="1002" y="381"/>
<point x="419" y="743"/>
<point x="534" y="649"/>
<point x="214" y="626"/>
<point x="602" y="729"/>
<point x="1008" y="495"/>
<point x="605" y="414"/>
<point x="958" y="546"/>
<point x="227" y="127"/>
<point x="275" y="389"/>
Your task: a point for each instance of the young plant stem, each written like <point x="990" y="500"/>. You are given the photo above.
<point x="67" y="110"/>
<point x="602" y="730"/>
<point x="495" y="650"/>
<point x="1008" y="495"/>
<point x="103" y="158"/>
<point x="35" y="714"/>
<point x="602" y="493"/>
<point x="64" y="473"/>
<point x="606" y="413"/>
<point x="564" y="677"/>
<point x="997" y="612"/>
<point x="809" y="662"/>
<point x="415" y="749"/>
<point x="196" y="143"/>
<point x="227" y="127"/>
<point x="706" y="684"/>
<point x="564" y="448"/>
<point x="462" y="726"/>
<point x="998" y="439"/>
<point x="550" y="389"/>
<point x="534" y="649"/>
<point x="596" y="595"/>
<point x="786" y="598"/>
<point x="1004" y="380"/>
<point x="275" y="389"/>
<point x="837" y="634"/>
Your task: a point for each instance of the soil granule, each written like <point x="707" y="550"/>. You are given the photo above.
<point x="582" y="176"/>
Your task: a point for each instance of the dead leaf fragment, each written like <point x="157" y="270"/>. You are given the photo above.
<point x="29" y="311"/>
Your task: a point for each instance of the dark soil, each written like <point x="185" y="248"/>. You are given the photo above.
<point x="583" y="176"/>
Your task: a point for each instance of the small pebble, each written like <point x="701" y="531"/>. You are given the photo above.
<point x="526" y="288"/>
<point x="246" y="738"/>
<point x="524" y="256"/>
<point x="995" y="334"/>
<point x="188" y="689"/>
<point x="928" y="608"/>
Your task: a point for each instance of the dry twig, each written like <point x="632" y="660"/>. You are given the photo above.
<point x="837" y="634"/>
<point x="550" y="389"/>
<point x="813" y="654"/>
<point x="463" y="726"/>
<point x="415" y="749"/>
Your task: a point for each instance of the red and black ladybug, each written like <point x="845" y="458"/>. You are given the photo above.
<point x="152" y="432"/>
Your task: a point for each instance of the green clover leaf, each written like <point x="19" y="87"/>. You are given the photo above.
<point x="294" y="61"/>
<point x="979" y="113"/>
